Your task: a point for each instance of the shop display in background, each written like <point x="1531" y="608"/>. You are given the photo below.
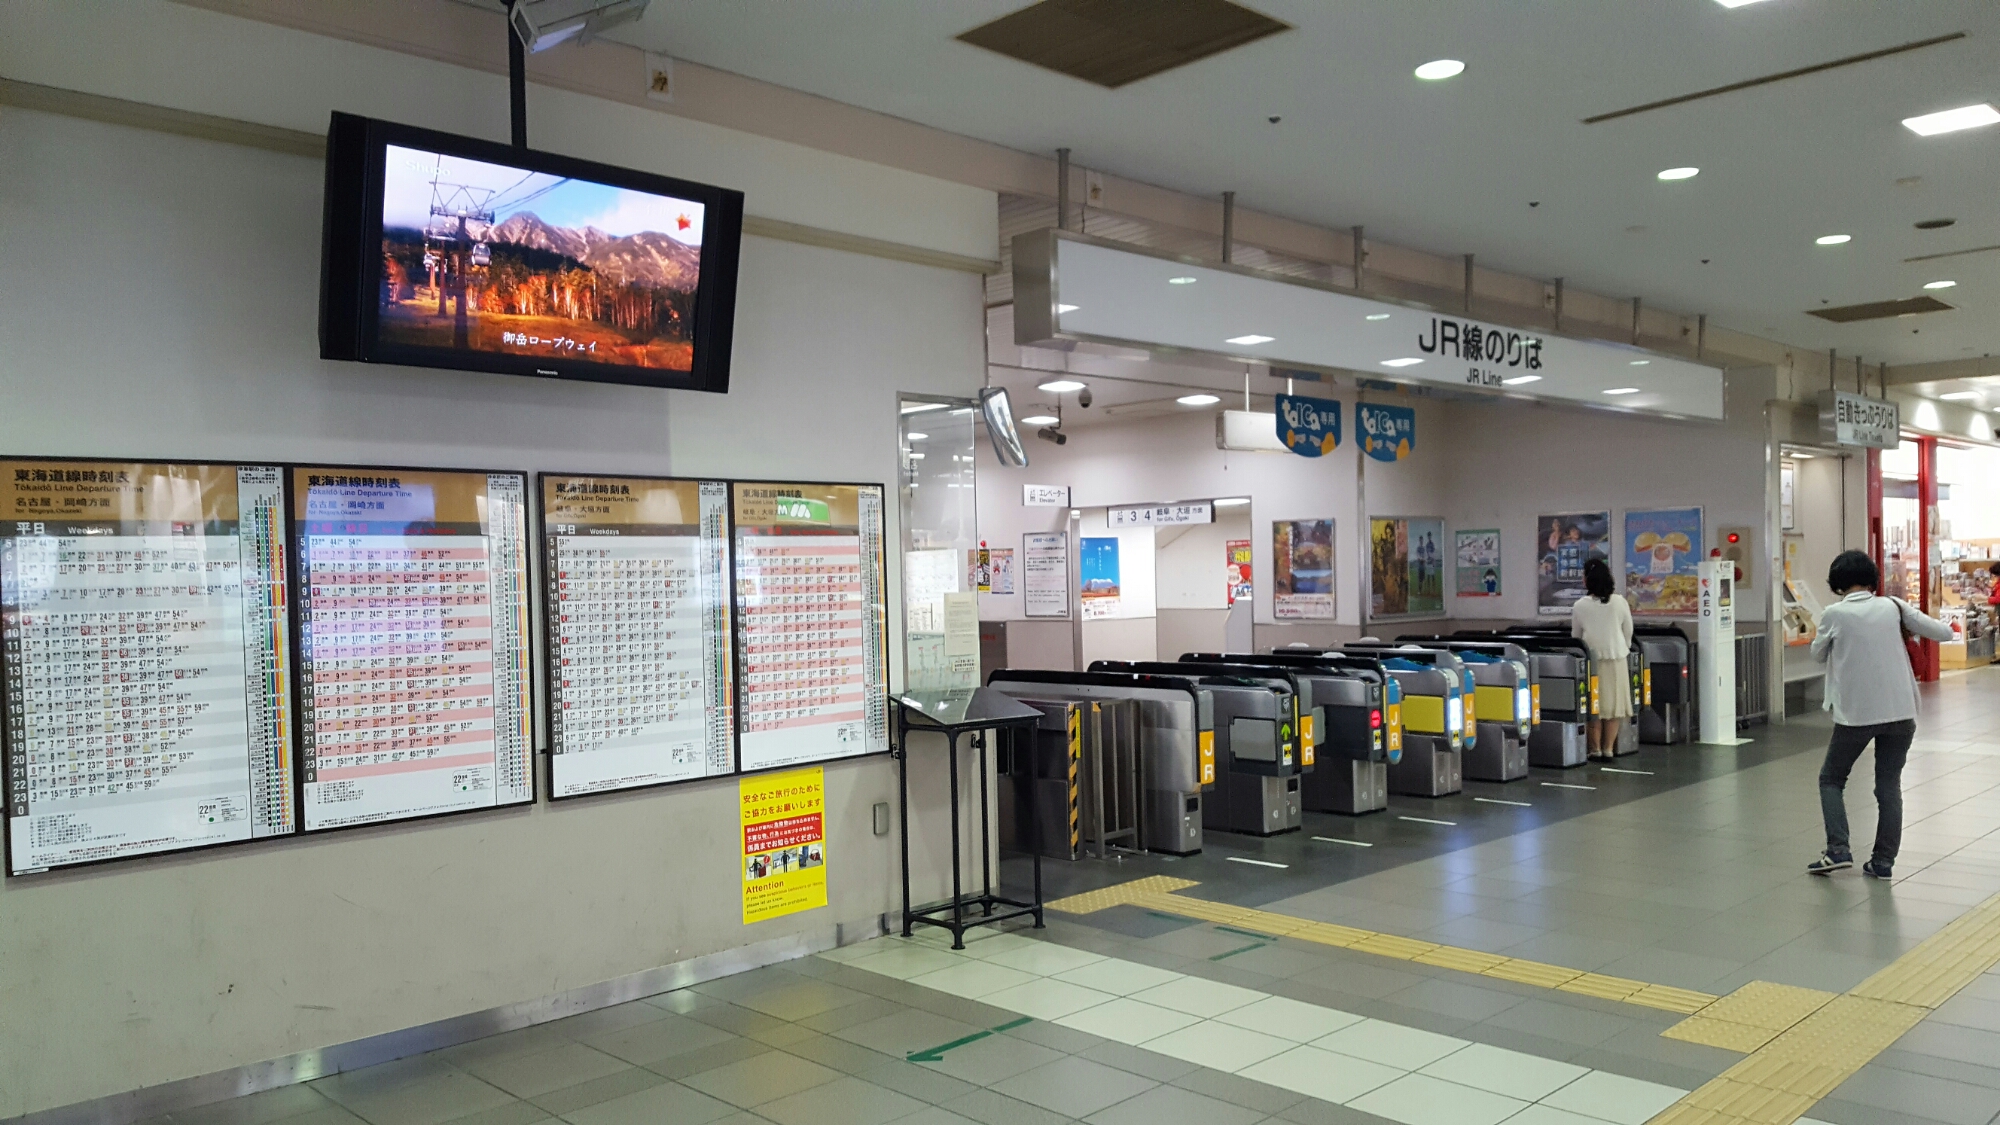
<point x="1099" y="572"/>
<point x="1045" y="574"/>
<point x="1563" y="543"/>
<point x="1800" y="620"/>
<point x="1662" y="554"/>
<point x="1236" y="553"/>
<point x="1405" y="567"/>
<point x="1302" y="570"/>
<point x="1477" y="555"/>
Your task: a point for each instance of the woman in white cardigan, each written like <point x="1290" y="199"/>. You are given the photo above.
<point x="1603" y="622"/>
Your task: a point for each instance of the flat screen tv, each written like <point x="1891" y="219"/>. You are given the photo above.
<point x="446" y="251"/>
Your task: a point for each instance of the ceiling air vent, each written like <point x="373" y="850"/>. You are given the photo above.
<point x="1881" y="310"/>
<point x="1115" y="42"/>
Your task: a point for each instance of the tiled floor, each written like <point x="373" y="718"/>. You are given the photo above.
<point x="1686" y="872"/>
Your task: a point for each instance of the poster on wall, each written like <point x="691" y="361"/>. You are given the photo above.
<point x="1662" y="556"/>
<point x="1302" y="570"/>
<point x="1405" y="567"/>
<point x="1236" y="563"/>
<point x="1787" y="477"/>
<point x="1045" y="574"/>
<point x="784" y="843"/>
<point x="1477" y="560"/>
<point x="996" y="570"/>
<point x="1563" y="543"/>
<point x="1098" y="564"/>
<point x="1388" y="433"/>
<point x="147" y="664"/>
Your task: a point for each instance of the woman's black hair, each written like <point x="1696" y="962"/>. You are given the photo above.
<point x="1853" y="569"/>
<point x="1994" y="570"/>
<point x="1597" y="580"/>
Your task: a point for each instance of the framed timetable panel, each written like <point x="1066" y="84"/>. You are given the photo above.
<point x="414" y="682"/>
<point x="144" y="653"/>
<point x="811" y="623"/>
<point x="637" y="610"/>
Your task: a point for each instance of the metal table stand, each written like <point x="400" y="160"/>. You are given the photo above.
<point x="954" y="714"/>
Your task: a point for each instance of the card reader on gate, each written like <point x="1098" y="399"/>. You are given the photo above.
<point x="1348" y="721"/>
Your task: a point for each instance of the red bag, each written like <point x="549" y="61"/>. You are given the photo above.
<point x="1913" y="646"/>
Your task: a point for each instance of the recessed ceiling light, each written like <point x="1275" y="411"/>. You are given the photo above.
<point x="1737" y="3"/>
<point x="1252" y="338"/>
<point x="1952" y="120"/>
<point x="1040" y="420"/>
<point x="1520" y="379"/>
<point x="1959" y="396"/>
<point x="1641" y="362"/>
<point x="1800" y="456"/>
<point x="1378" y="316"/>
<point x="1065" y="308"/>
<point x="1197" y="400"/>
<point x="920" y="407"/>
<point x="1231" y="501"/>
<point x="1406" y="361"/>
<point x="1060" y="386"/>
<point x="1182" y="280"/>
<point x="1833" y="239"/>
<point x="920" y="437"/>
<point x="1939" y="284"/>
<point x="1680" y="173"/>
<point x="1440" y="68"/>
<point x="1622" y="391"/>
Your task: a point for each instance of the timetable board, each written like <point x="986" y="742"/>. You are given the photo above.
<point x="641" y="679"/>
<point x="811" y="623"/>
<point x="144" y="652"/>
<point x="414" y="682"/>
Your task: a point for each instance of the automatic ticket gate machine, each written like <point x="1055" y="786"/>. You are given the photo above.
<point x="1347" y="723"/>
<point x="1257" y="749"/>
<point x="1176" y="749"/>
<point x="1638" y="665"/>
<point x="1562" y="680"/>
<point x="1433" y="708"/>
<point x="1503" y="679"/>
<point x="1666" y="704"/>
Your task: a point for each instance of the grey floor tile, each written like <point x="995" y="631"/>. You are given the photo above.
<point x="1672" y="967"/>
<point x="1055" y="1037"/>
<point x="584" y="1094"/>
<point x="1950" y="1041"/>
<point x="1970" y="1011"/>
<point x="1073" y="1087"/>
<point x="1238" y="1091"/>
<point x="682" y="1000"/>
<point x="660" y="1039"/>
<point x="708" y="1058"/>
<point x="1138" y="1060"/>
<point x="999" y="1109"/>
<point x="1956" y="1103"/>
<point x="735" y="1019"/>
<point x="1840" y="1111"/>
<point x="898" y="1035"/>
<point x="629" y="1014"/>
<point x="1356" y="978"/>
<point x="255" y="1109"/>
<point x="1467" y="1002"/>
<point x="1312" y="1111"/>
<point x="411" y="1092"/>
<point x="655" y="1105"/>
<point x="513" y="1113"/>
<point x="525" y="1076"/>
<point x="847" y="1015"/>
<point x="1171" y="1105"/>
<point x="1277" y="961"/>
<point x="992" y="1059"/>
<point x="1974" y="1073"/>
<point x="919" y="1082"/>
<point x="844" y="1101"/>
<point x="752" y="1082"/>
<point x="1565" y="1022"/>
<point x="841" y="1055"/>
<point x="799" y="998"/>
<point x="521" y="1041"/>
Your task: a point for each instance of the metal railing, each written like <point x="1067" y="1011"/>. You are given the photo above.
<point x="1753" y="680"/>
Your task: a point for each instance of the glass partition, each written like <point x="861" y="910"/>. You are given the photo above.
<point x="940" y="543"/>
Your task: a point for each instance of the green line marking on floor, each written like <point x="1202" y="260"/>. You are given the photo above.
<point x="1234" y="952"/>
<point x="1246" y="933"/>
<point x="936" y="1054"/>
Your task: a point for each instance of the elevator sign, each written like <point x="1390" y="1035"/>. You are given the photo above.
<point x="1857" y="420"/>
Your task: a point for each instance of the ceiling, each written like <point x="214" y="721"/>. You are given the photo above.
<point x="1452" y="167"/>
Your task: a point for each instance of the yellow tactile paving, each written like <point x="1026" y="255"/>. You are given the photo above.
<point x="1464" y="960"/>
<point x="1749" y="1017"/>
<point x="1670" y="999"/>
<point x="1090" y="902"/>
<point x="1602" y="987"/>
<point x="1533" y="972"/>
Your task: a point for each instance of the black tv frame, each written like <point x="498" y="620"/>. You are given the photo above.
<point x="351" y="258"/>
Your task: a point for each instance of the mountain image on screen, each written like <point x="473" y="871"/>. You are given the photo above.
<point x="482" y="257"/>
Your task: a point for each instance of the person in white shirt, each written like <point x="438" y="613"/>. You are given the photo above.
<point x="1873" y="696"/>
<point x="1603" y="621"/>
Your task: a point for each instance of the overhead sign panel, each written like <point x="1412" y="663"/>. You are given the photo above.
<point x="1857" y="420"/>
<point x="1072" y="287"/>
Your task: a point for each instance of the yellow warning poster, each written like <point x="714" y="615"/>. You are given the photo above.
<point x="784" y="843"/>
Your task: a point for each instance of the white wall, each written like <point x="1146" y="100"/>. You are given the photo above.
<point x="161" y="301"/>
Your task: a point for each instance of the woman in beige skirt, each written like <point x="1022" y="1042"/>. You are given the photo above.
<point x="1603" y="622"/>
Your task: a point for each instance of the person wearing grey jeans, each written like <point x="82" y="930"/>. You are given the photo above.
<point x="1872" y="692"/>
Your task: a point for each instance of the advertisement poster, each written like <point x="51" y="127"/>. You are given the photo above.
<point x="784" y="843"/>
<point x="1388" y="433"/>
<point x="1564" y="543"/>
<point x="1045" y="574"/>
<point x="1662" y="554"/>
<point x="996" y="570"/>
<point x="1236" y="556"/>
<point x="1302" y="569"/>
<point x="1405" y="566"/>
<point x="1099" y="568"/>
<point x="1309" y="427"/>
<point x="1478" y="563"/>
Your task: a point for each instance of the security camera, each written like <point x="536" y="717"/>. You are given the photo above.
<point x="1083" y="397"/>
<point x="1050" y="433"/>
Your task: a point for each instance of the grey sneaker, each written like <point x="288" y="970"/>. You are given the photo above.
<point x="1878" y="869"/>
<point x="1830" y="862"/>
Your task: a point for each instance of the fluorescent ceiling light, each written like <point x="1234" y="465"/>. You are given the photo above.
<point x="1061" y="386"/>
<point x="1833" y="239"/>
<point x="1641" y="362"/>
<point x="920" y="407"/>
<point x="1939" y="284"/>
<point x="1232" y="501"/>
<point x="1197" y="400"/>
<point x="1952" y="120"/>
<point x="1182" y="280"/>
<point x="1378" y="316"/>
<point x="1520" y="379"/>
<point x="1252" y="338"/>
<point x="1680" y="173"/>
<point x="1959" y="396"/>
<point x="1440" y="68"/>
<point x="920" y="437"/>
<point x="1737" y="3"/>
<point x="1622" y="391"/>
<point x="1800" y="456"/>
<point x="1065" y="308"/>
<point x="1040" y="420"/>
<point x="1406" y="361"/>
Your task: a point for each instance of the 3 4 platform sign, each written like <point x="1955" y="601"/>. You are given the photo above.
<point x="784" y="843"/>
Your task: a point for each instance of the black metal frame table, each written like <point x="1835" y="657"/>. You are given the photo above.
<point x="953" y="714"/>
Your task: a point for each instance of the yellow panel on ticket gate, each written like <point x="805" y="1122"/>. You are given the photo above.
<point x="1596" y="700"/>
<point x="1392" y="719"/>
<point x="1495" y="702"/>
<point x="1207" y="757"/>
<point x="1536" y="690"/>
<point x="1646" y="686"/>
<point x="1306" y="739"/>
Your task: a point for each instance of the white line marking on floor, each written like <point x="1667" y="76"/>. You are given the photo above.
<point x="1428" y="820"/>
<point x="1560" y="785"/>
<point x="1258" y="862"/>
<point x="1498" y="801"/>
<point x="1349" y="843"/>
<point x="1609" y="769"/>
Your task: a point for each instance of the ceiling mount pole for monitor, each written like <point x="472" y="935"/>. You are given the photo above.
<point x="517" y="80"/>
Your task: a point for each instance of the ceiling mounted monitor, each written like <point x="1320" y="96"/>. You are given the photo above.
<point x="446" y="251"/>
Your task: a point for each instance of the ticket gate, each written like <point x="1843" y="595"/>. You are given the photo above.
<point x="1085" y="773"/>
<point x="1667" y="713"/>
<point x="1348" y="721"/>
<point x="1257" y="749"/>
<point x="1176" y="747"/>
<point x="1433" y="717"/>
<point x="1503" y="680"/>
<point x="1638" y="664"/>
<point x="1562" y="680"/>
